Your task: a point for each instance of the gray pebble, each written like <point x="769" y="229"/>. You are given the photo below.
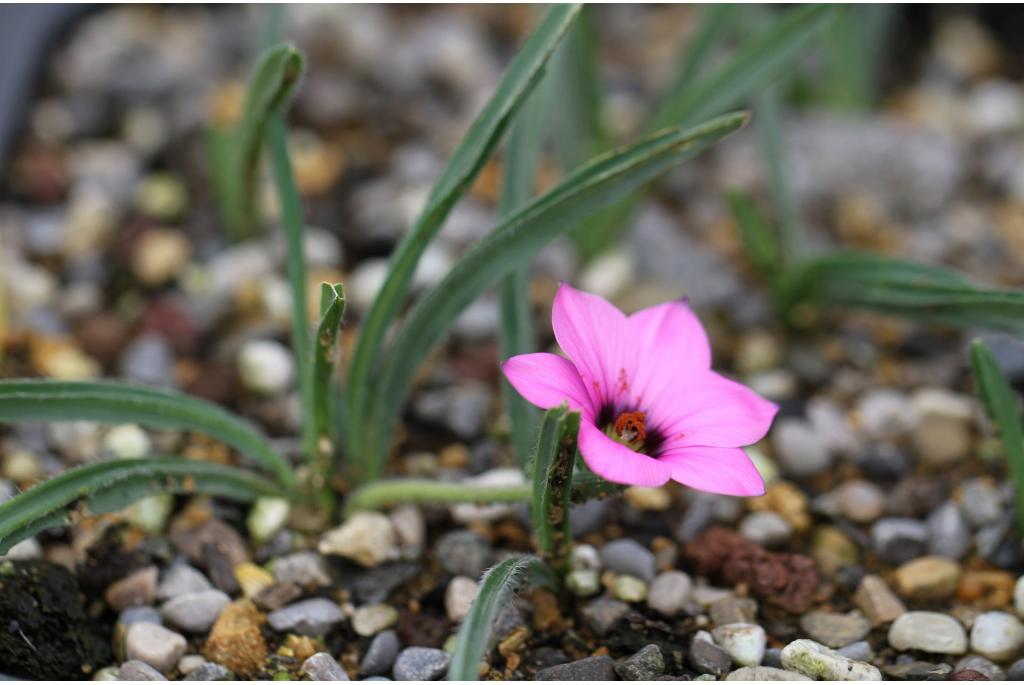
<point x="733" y="610"/>
<point x="210" y="671"/>
<point x="833" y="629"/>
<point x="591" y="668"/>
<point x="800" y="450"/>
<point x="148" y="360"/>
<point x="157" y="646"/>
<point x="195" y="611"/>
<point x="380" y="655"/>
<point x="647" y="664"/>
<point x="766" y="528"/>
<point x="981" y="502"/>
<point x="1016" y="670"/>
<point x="421" y="663"/>
<point x="323" y="666"/>
<point x="140" y="615"/>
<point x="707" y="657"/>
<point x="928" y="631"/>
<point x="897" y="540"/>
<point x="602" y="614"/>
<point x="181" y="579"/>
<point x="763" y="673"/>
<point x="139" y="670"/>
<point x="630" y="558"/>
<point x="305" y="569"/>
<point x="310" y="617"/>
<point x="464" y="553"/>
<point x="772" y="657"/>
<point x="669" y="592"/>
<point x="858" y="651"/>
<point x="949" y="534"/>
<point x="982" y="665"/>
<point x="818" y="661"/>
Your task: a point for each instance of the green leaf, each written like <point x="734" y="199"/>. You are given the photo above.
<point x="462" y="169"/>
<point x="325" y="357"/>
<point x="235" y="154"/>
<point x="904" y="288"/>
<point x="551" y="473"/>
<point x="112" y="485"/>
<point x="293" y="225"/>
<point x="392" y="491"/>
<point x="516" y="240"/>
<point x="760" y="243"/>
<point x="1003" y="408"/>
<point x="587" y="485"/>
<point x="498" y="587"/>
<point x="109" y="402"/>
<point x="856" y="46"/>
<point x="716" y="22"/>
<point x="767" y="114"/>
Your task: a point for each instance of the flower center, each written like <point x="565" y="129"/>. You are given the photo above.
<point x="631" y="429"/>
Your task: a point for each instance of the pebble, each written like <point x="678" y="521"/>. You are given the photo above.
<point x="670" y="592"/>
<point x="766" y="528"/>
<point x="155" y="645"/>
<point x="885" y="413"/>
<point x="942" y="431"/>
<point x="463" y="553"/>
<point x="190" y="662"/>
<point x="583" y="582"/>
<point x="918" y="670"/>
<point x="764" y="673"/>
<point x="707" y="657"/>
<point x="630" y="558"/>
<point x="733" y="610"/>
<point x="821" y="663"/>
<point x="928" y="578"/>
<point x="973" y="662"/>
<point x="371" y="619"/>
<point x="897" y="540"/>
<point x="1016" y="670"/>
<point x="591" y="668"/>
<point x="410" y="529"/>
<point x="459" y="596"/>
<point x="323" y="666"/>
<point x="209" y="671"/>
<point x="878" y="602"/>
<point x="136" y="589"/>
<point x="312" y="617"/>
<point x="305" y="569"/>
<point x="928" y="631"/>
<point x="252" y="579"/>
<point x="159" y="255"/>
<point x="981" y="502"/>
<point x="267" y="517"/>
<point x="266" y="367"/>
<point x="366" y="538"/>
<point x="235" y="640"/>
<point x="835" y="630"/>
<point x="860" y="501"/>
<point x="127" y="441"/>
<point x="134" y="669"/>
<point x="949" y="534"/>
<point x="745" y="642"/>
<point x="1018" y="595"/>
<point x="800" y="450"/>
<point x="833" y="550"/>
<point x="997" y="635"/>
<point x="149" y="360"/>
<point x="858" y="651"/>
<point x="647" y="664"/>
<point x="602" y="614"/>
<point x="629" y="589"/>
<point x="421" y="663"/>
<point x="380" y="655"/>
<point x="195" y="612"/>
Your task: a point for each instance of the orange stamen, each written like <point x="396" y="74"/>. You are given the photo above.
<point x="631" y="426"/>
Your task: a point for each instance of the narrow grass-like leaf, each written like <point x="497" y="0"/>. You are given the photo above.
<point x="293" y="225"/>
<point x="516" y="240"/>
<point x="768" y="115"/>
<point x="1003" y="408"/>
<point x="109" y="402"/>
<point x="464" y="166"/>
<point x="111" y="485"/>
<point x="908" y="289"/>
<point x="498" y="587"/>
<point x="715" y="24"/>
<point x="325" y="357"/>
<point x="235" y="154"/>
<point x="552" y="480"/>
<point x="760" y="244"/>
<point x="518" y="174"/>
<point x="855" y="48"/>
<point x="389" y="492"/>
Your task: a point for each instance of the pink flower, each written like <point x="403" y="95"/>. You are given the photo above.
<point x="651" y="407"/>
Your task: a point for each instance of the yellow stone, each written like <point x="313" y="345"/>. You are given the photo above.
<point x="252" y="578"/>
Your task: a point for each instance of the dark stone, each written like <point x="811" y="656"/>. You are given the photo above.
<point x="377" y="584"/>
<point x="380" y="655"/>
<point x="46" y="633"/>
<point x="707" y="657"/>
<point x="591" y="668"/>
<point x="602" y="614"/>
<point x="210" y="671"/>
<point x="647" y="664"/>
<point x="918" y="670"/>
<point x="1016" y="670"/>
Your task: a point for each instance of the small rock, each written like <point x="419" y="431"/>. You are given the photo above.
<point x="647" y="664"/>
<point x="421" y="663"/>
<point x="986" y="589"/>
<point x="745" y="642"/>
<point x="149" y="359"/>
<point x="159" y="255"/>
<point x="591" y="668"/>
<point x="323" y="666"/>
<point x="897" y="540"/>
<point x="266" y="517"/>
<point x="669" y="592"/>
<point x="918" y="670"/>
<point x="733" y="610"/>
<point x="602" y="614"/>
<point x="136" y="589"/>
<point x="277" y="595"/>
<point x="155" y="645"/>
<point x="305" y="569"/>
<point x="1016" y="670"/>
<point x="629" y="589"/>
<point x="459" y="596"/>
<point x="835" y="630"/>
<point x="885" y="413"/>
<point x="928" y="631"/>
<point x="981" y="502"/>
<point x="801" y="451"/>
<point x="766" y="528"/>
<point x="411" y="530"/>
<point x="949" y="534"/>
<point x="980" y="664"/>
<point x="209" y="671"/>
<point x="195" y="611"/>
<point x="858" y="651"/>
<point x="463" y="553"/>
<point x="942" y="431"/>
<point x="139" y="670"/>
<point x="707" y="657"/>
<point x="266" y="367"/>
<point x="310" y="617"/>
<point x="997" y="635"/>
<point x="190" y="662"/>
<point x="821" y="663"/>
<point x="833" y="550"/>
<point x="583" y="582"/>
<point x="236" y="640"/>
<point x="380" y="655"/>
<point x="371" y="619"/>
<point x="879" y="603"/>
<point x="764" y="673"/>
<point x="860" y="501"/>
<point x="1018" y="596"/>
<point x="928" y="579"/>
<point x="630" y="558"/>
<point x="252" y="579"/>
<point x="366" y="538"/>
<point x="127" y="441"/>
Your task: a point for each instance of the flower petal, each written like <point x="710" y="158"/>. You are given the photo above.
<point x="593" y="333"/>
<point x="711" y="411"/>
<point x="617" y="463"/>
<point x="671" y="346"/>
<point x="547" y="380"/>
<point x="722" y="470"/>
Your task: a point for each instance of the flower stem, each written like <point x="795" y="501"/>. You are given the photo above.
<point x="402" y="490"/>
<point x="552" y="471"/>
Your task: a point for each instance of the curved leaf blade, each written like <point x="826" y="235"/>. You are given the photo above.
<point x="325" y="357"/>
<point x="393" y="491"/>
<point x="110" y="402"/>
<point x="111" y="485"/>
